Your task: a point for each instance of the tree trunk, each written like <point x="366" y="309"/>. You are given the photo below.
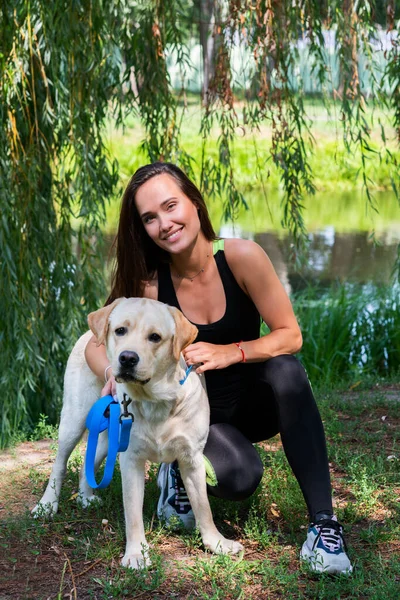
<point x="210" y="11"/>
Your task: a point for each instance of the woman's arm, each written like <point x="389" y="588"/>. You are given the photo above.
<point x="96" y="358"/>
<point x="98" y="362"/>
<point x="255" y="274"/>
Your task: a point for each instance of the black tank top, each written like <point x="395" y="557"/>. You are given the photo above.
<point x="241" y="321"/>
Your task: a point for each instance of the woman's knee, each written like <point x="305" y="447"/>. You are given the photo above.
<point x="235" y="461"/>
<point x="285" y="374"/>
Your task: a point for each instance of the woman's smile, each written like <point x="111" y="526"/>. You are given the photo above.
<point x="173" y="236"/>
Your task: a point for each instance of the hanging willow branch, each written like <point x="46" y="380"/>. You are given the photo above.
<point x="56" y="79"/>
<point x="391" y="77"/>
<point x="218" y="175"/>
<point x="353" y="34"/>
<point x="270" y="30"/>
<point x="65" y="68"/>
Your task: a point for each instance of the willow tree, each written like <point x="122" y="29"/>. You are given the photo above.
<point x="66" y="67"/>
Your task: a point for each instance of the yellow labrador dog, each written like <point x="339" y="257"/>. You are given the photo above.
<point x="144" y="339"/>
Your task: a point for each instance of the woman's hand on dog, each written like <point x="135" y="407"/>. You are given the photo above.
<point x="211" y="356"/>
<point x="110" y="389"/>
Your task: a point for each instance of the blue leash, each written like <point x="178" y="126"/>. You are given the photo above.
<point x="188" y="369"/>
<point x="106" y="414"/>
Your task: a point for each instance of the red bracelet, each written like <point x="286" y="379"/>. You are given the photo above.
<point x="241" y="350"/>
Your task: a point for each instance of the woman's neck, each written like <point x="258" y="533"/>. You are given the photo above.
<point x="193" y="260"/>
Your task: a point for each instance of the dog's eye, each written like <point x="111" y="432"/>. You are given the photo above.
<point x="121" y="331"/>
<point x="154" y="337"/>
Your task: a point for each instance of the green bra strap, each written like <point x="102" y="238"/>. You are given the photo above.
<point x="218" y="245"/>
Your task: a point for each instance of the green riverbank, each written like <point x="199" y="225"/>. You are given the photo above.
<point x="339" y="200"/>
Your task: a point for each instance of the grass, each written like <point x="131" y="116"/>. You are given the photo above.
<point x="77" y="554"/>
<point x="336" y="172"/>
<point x="349" y="331"/>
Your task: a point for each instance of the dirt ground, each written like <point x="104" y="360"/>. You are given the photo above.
<point x="48" y="571"/>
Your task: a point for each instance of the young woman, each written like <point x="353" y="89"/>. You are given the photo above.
<point x="167" y="250"/>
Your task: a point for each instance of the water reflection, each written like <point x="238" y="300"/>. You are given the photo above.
<point x="331" y="256"/>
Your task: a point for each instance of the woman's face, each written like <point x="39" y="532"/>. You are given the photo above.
<point x="169" y="217"/>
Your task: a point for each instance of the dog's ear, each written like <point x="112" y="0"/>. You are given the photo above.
<point x="185" y="332"/>
<point x="99" y="321"/>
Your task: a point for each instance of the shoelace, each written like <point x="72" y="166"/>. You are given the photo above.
<point x="331" y="533"/>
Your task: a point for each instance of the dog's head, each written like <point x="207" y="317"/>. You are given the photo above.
<point x="143" y="337"/>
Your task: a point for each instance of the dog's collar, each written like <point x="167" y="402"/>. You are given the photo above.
<point x="188" y="369"/>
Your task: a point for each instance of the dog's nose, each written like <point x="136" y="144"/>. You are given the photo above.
<point x="128" y="359"/>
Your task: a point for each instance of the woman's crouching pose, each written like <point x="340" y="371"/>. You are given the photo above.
<point x="167" y="250"/>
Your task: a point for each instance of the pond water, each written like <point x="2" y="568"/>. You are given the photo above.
<point x="331" y="256"/>
<point x="340" y="248"/>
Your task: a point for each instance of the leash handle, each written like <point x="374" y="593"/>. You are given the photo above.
<point x="118" y="437"/>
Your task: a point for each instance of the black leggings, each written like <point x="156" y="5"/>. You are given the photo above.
<point x="278" y="400"/>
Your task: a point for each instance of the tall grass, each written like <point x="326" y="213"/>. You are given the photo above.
<point x="349" y="332"/>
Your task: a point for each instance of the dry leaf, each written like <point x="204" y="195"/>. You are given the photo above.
<point x="275" y="512"/>
<point x="354" y="385"/>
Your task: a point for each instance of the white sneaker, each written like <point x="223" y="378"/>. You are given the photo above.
<point x="173" y="504"/>
<point x="325" y="547"/>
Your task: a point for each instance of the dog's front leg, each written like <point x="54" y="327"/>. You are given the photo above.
<point x="194" y="479"/>
<point x="86" y="493"/>
<point x="69" y="434"/>
<point x="132" y="472"/>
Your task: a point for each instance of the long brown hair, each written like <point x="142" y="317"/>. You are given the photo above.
<point x="137" y="256"/>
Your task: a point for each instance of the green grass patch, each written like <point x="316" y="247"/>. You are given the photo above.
<point x="362" y="432"/>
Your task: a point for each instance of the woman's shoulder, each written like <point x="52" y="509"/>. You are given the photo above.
<point x="237" y="249"/>
<point x="243" y="258"/>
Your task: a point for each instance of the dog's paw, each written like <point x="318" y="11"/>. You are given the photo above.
<point x="137" y="560"/>
<point x="221" y="545"/>
<point x="86" y="501"/>
<point x="44" y="510"/>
